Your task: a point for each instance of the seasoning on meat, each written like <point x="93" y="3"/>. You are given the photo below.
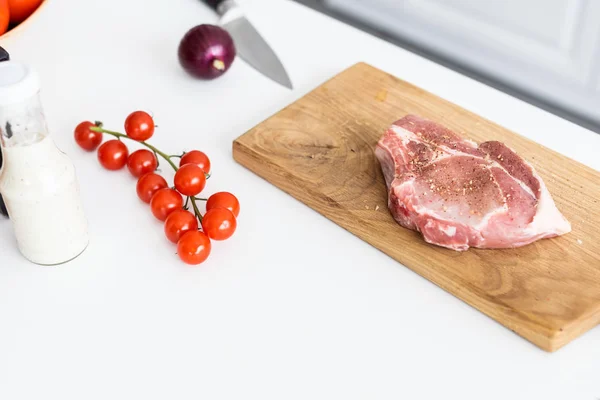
<point x="459" y="194"/>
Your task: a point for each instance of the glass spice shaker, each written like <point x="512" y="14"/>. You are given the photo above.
<point x="38" y="181"/>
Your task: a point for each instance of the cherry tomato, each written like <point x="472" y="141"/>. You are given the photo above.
<point x="139" y="126"/>
<point x="140" y="162"/>
<point x="219" y="223"/>
<point x="149" y="184"/>
<point x="20" y="10"/>
<point x="190" y="180"/>
<point x="85" y="138"/>
<point x="196" y="157"/>
<point x="224" y="200"/>
<point x="193" y="247"/>
<point x="4" y="16"/>
<point x="164" y="202"/>
<point x="113" y="155"/>
<point x="178" y="223"/>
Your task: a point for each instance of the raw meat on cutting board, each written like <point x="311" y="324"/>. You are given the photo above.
<point x="459" y="194"/>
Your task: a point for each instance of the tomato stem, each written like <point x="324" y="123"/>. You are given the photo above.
<point x="148" y="145"/>
<point x="98" y="128"/>
<point x="196" y="211"/>
<point x="200" y="199"/>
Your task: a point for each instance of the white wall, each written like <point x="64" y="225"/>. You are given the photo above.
<point x="547" y="48"/>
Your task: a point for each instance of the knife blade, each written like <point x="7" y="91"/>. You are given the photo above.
<point x="250" y="45"/>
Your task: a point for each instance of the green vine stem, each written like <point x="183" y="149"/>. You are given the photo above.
<point x="196" y="211"/>
<point x="165" y="156"/>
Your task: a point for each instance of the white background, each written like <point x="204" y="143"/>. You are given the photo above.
<point x="293" y="306"/>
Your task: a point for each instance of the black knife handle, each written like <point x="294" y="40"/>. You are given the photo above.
<point x="220" y="6"/>
<point x="214" y="4"/>
<point x="3" y="57"/>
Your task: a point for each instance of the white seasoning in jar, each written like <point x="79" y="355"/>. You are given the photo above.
<point x="38" y="181"/>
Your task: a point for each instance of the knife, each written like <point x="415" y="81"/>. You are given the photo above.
<point x="249" y="44"/>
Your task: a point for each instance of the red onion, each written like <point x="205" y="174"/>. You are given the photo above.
<point x="206" y="51"/>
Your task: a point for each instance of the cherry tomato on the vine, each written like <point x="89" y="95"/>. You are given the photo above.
<point x="139" y="126"/>
<point x="178" y="223"/>
<point x="196" y="157"/>
<point x="164" y="202"/>
<point x="141" y="162"/>
<point x="85" y="138"/>
<point x="113" y="155"/>
<point x="219" y="223"/>
<point x="182" y="227"/>
<point x="194" y="247"/>
<point x="224" y="200"/>
<point x="190" y="180"/>
<point x="149" y="184"/>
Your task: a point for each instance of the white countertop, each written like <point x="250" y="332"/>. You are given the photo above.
<point x="293" y="306"/>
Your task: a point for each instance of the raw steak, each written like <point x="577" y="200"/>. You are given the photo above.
<point x="460" y="194"/>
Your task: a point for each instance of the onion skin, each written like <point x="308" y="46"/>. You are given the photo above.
<point x="206" y="51"/>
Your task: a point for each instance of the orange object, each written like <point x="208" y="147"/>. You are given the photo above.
<point x="21" y="9"/>
<point x="4" y="16"/>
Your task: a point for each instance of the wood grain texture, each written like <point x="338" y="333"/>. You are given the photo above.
<point x="320" y="150"/>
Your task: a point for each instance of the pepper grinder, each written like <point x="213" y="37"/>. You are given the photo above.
<point x="3" y="57"/>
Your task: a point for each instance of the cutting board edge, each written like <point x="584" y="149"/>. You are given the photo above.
<point x="576" y="328"/>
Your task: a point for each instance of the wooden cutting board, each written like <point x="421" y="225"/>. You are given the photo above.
<point x="320" y="150"/>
